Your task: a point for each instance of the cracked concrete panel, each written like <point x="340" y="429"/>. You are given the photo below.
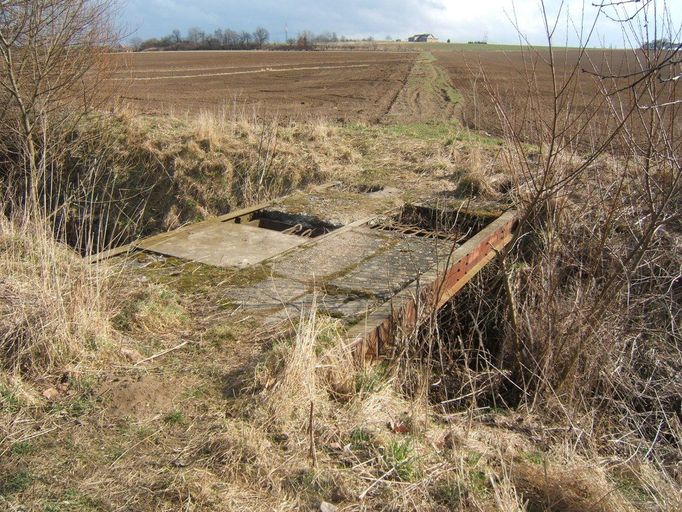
<point x="345" y="307"/>
<point x="272" y="293"/>
<point x="330" y="256"/>
<point x="348" y="308"/>
<point x="340" y="207"/>
<point x="392" y="270"/>
<point x="225" y="244"/>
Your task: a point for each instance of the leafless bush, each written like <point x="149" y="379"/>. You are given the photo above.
<point x="598" y="292"/>
<point x="584" y="313"/>
<point x="52" y="310"/>
<point x="52" y="58"/>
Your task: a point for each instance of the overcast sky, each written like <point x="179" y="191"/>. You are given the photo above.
<point x="459" y="20"/>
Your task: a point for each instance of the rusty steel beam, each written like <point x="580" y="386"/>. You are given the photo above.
<point x="373" y="338"/>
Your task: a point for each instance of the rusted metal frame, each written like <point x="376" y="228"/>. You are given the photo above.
<point x="373" y="338"/>
<point x="409" y="229"/>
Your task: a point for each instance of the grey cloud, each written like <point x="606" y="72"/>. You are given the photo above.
<point x="459" y="20"/>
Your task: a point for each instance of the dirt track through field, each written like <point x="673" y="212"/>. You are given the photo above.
<point x="426" y="94"/>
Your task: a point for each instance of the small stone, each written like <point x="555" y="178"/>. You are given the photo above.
<point x="50" y="393"/>
<point x="452" y="441"/>
<point x="131" y="355"/>
<point x="327" y="507"/>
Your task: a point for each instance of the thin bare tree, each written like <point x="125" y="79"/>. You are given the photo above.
<point x="52" y="59"/>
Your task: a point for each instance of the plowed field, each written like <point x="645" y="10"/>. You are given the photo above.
<point x="334" y="85"/>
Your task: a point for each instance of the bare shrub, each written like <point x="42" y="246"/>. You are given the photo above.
<point x="52" y="57"/>
<point x="602" y="226"/>
<point x="581" y="321"/>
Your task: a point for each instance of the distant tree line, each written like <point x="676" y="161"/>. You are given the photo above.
<point x="198" y="39"/>
<point x="228" y="39"/>
<point x="661" y="44"/>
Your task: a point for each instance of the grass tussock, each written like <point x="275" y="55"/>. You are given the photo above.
<point x="365" y="443"/>
<point x="54" y="310"/>
<point x="154" y="309"/>
<point x="123" y="175"/>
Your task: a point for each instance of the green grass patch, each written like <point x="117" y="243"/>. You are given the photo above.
<point x="401" y="456"/>
<point x="371" y="379"/>
<point x="424" y="131"/>
<point x="311" y="482"/>
<point x="534" y="457"/>
<point x="220" y="335"/>
<point x="470" y="136"/>
<point x="630" y="488"/>
<point x="73" y="500"/>
<point x="449" y="492"/>
<point x="15" y="482"/>
<point x="22" y="448"/>
<point x="8" y="399"/>
<point x="157" y="307"/>
<point x="196" y="393"/>
<point x="174" y="417"/>
<point x="472" y="459"/>
<point x="80" y="406"/>
<point x="478" y="483"/>
<point x="361" y="438"/>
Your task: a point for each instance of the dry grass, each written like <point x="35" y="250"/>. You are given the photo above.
<point x="458" y="423"/>
<point x="53" y="306"/>
<point x="158" y="173"/>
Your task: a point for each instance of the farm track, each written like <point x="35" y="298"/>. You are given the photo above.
<point x="253" y="71"/>
<point x="426" y="95"/>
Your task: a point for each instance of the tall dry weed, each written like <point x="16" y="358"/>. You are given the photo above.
<point x="53" y="305"/>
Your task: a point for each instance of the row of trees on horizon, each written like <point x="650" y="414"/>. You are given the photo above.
<point x="228" y="39"/>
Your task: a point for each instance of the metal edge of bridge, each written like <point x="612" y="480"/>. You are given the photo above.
<point x="374" y="337"/>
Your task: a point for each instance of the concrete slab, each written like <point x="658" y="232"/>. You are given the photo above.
<point x="225" y="244"/>
<point x="333" y="255"/>
<point x="272" y="293"/>
<point x="350" y="309"/>
<point x="392" y="270"/>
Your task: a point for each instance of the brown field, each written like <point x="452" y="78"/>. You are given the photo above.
<point x="335" y="85"/>
<point x="522" y="82"/>
<point x="394" y="82"/>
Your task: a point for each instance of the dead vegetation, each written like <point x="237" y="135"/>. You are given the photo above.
<point x="551" y="384"/>
<point x="126" y="176"/>
<point x="217" y="426"/>
<point x="53" y="306"/>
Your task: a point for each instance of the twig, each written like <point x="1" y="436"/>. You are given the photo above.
<point x="133" y="446"/>
<point x="377" y="481"/>
<point x="513" y="317"/>
<point x="150" y="358"/>
<point x="311" y="433"/>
